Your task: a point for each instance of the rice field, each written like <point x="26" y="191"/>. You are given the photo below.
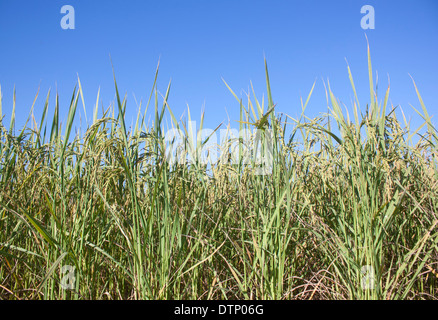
<point x="347" y="210"/>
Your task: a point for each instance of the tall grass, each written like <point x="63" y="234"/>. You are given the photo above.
<point x="347" y="210"/>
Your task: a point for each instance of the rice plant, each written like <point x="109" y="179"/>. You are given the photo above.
<point x="347" y="208"/>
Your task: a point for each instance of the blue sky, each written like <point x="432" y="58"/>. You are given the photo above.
<point x="200" y="42"/>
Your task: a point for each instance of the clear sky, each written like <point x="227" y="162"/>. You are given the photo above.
<point x="199" y="42"/>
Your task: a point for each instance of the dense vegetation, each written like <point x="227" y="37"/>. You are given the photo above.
<point x="349" y="210"/>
